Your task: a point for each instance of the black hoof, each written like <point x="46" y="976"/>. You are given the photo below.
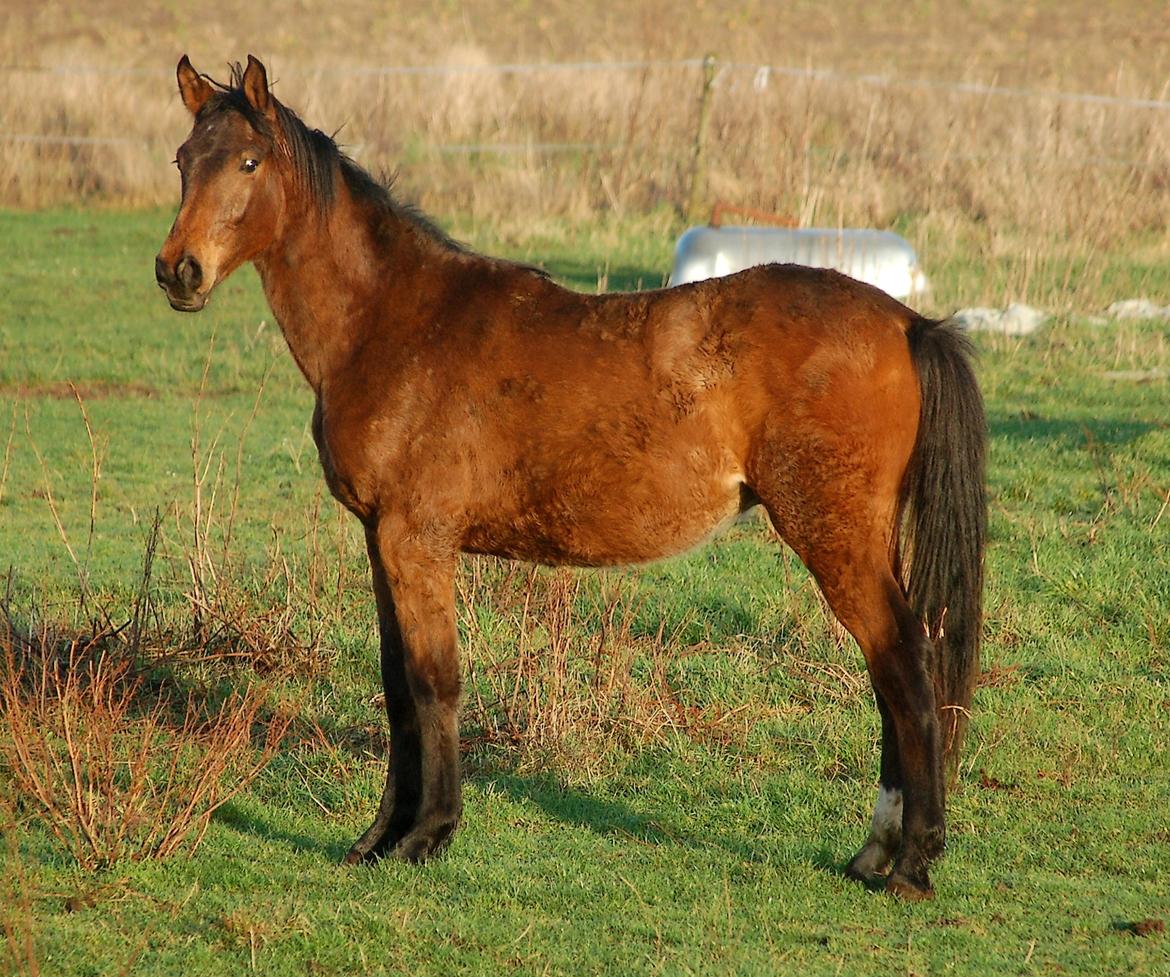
<point x="425" y="842"/>
<point x="355" y="857"/>
<point x="909" y="889"/>
<point x="375" y="844"/>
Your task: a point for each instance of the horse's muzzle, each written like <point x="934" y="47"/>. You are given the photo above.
<point x="181" y="283"/>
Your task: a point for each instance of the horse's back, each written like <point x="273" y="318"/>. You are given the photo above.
<point x="648" y="420"/>
<point x="552" y="426"/>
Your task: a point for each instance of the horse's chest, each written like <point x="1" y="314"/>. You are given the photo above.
<point x="345" y="473"/>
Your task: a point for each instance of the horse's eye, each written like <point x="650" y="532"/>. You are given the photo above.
<point x="250" y="165"/>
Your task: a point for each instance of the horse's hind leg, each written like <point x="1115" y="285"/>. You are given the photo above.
<point x="869" y="601"/>
<point x="846" y="543"/>
<point x="421" y="802"/>
<point x="885" y="831"/>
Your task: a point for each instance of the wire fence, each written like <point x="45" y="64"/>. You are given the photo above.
<point x="761" y="76"/>
<point x="761" y="72"/>
<point x="576" y="139"/>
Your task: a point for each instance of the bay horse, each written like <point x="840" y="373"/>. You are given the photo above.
<point x="470" y="404"/>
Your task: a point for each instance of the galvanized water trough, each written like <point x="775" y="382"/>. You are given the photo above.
<point x="881" y="258"/>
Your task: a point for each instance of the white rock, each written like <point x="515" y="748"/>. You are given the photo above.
<point x="1016" y="320"/>
<point x="976" y="318"/>
<point x="1138" y="309"/>
<point x="1137" y="376"/>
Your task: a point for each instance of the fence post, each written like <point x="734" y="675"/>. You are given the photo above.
<point x="699" y="158"/>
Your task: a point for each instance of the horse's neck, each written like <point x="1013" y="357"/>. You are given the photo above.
<point x="325" y="277"/>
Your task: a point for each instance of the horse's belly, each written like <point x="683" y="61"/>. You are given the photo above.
<point x="597" y="522"/>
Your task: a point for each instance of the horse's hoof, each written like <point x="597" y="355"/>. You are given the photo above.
<point x="911" y="890"/>
<point x="869" y="865"/>
<point x="423" y="843"/>
<point x="355" y="857"/>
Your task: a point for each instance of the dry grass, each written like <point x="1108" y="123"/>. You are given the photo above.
<point x="1033" y="178"/>
<point x="824" y="151"/>
<point x="115" y="764"/>
<point x="109" y="733"/>
<point x="227" y="625"/>
<point x="549" y="688"/>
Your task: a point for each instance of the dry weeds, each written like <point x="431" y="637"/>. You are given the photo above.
<point x="1014" y="175"/>
<point x="545" y="685"/>
<point x="107" y="733"/>
<point x="228" y="623"/>
<point x="114" y="763"/>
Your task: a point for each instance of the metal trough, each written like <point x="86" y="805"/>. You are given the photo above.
<point x="880" y="258"/>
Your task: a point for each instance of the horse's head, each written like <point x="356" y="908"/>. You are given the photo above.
<point x="233" y="191"/>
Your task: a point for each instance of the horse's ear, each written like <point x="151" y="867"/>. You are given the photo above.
<point x="255" y="85"/>
<point x="193" y="87"/>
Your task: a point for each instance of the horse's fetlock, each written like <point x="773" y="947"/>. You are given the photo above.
<point x="934" y="842"/>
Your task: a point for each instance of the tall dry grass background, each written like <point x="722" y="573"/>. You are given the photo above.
<point x="477" y="139"/>
<point x="953" y="119"/>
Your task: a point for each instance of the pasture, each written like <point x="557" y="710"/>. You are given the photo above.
<point x="666" y="768"/>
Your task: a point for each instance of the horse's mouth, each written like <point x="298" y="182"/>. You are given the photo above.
<point x="187" y="303"/>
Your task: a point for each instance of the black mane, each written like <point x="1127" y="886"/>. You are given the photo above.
<point x="316" y="157"/>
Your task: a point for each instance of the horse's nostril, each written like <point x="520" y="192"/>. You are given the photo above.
<point x="162" y="272"/>
<point x="189" y="273"/>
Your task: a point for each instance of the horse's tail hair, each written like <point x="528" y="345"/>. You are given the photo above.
<point x="944" y="504"/>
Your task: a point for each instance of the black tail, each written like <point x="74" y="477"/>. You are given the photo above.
<point x="945" y="503"/>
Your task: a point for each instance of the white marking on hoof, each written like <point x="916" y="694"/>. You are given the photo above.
<point x="886" y="826"/>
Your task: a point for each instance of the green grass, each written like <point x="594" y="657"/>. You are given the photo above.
<point x="678" y="854"/>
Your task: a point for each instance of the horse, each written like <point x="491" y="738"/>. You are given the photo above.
<point x="468" y="404"/>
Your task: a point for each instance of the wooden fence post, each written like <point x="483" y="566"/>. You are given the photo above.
<point x="699" y="159"/>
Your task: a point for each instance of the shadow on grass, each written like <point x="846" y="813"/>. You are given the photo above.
<point x="612" y="818"/>
<point x="593" y="811"/>
<point x="263" y="827"/>
<point x="1024" y="426"/>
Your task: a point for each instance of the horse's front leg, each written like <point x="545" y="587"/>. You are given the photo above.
<point x="422" y="800"/>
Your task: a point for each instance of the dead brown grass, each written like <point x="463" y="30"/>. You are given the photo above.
<point x="114" y="763"/>
<point x="579" y="142"/>
<point x="1033" y="177"/>
<point x="110" y="734"/>
<point x="548" y="688"/>
<point x="115" y="733"/>
<point x="228" y="625"/>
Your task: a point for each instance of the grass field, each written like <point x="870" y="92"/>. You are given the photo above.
<point x="665" y="768"/>
<point x="691" y="755"/>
